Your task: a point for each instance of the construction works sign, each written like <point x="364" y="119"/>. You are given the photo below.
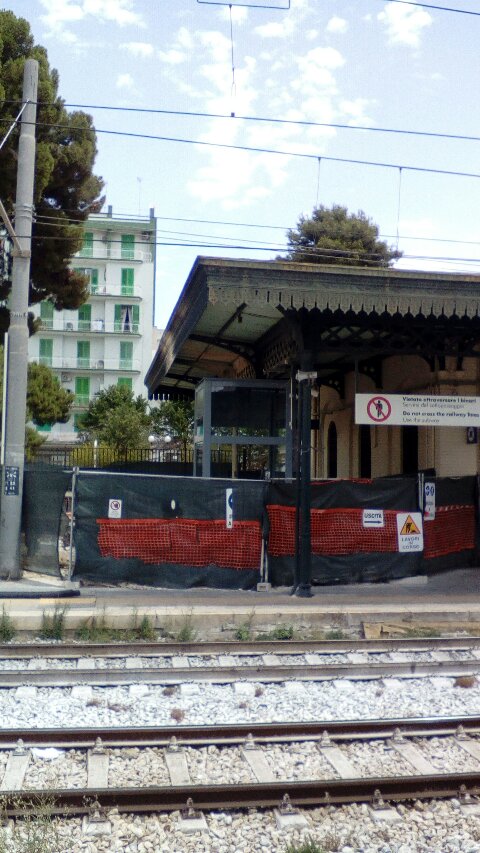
<point x="409" y="532"/>
<point x="416" y="410"/>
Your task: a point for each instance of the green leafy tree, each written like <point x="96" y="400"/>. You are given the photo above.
<point x="47" y="401"/>
<point x="174" y="418"/>
<point x="66" y="190"/>
<point x="117" y="419"/>
<point x="335" y="236"/>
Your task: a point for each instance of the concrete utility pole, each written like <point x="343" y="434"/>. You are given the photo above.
<point x="12" y="473"/>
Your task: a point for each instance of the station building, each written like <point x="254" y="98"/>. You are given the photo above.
<point x="350" y="330"/>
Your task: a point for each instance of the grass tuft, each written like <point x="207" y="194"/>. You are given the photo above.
<point x="7" y="628"/>
<point x="186" y="633"/>
<point x="308" y="846"/>
<point x="53" y="625"/>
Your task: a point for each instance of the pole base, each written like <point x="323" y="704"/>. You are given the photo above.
<point x="304" y="590"/>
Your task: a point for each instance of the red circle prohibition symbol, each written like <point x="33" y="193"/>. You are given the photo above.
<point x="379" y="409"/>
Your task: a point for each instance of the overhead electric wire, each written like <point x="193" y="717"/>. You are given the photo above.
<point x="268" y="120"/>
<point x="258" y="150"/>
<point x="435" y="7"/>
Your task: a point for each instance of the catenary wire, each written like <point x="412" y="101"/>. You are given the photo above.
<point x="258" y="150"/>
<point x="268" y="120"/>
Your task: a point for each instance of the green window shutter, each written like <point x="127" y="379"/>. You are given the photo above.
<point x="126" y="355"/>
<point x="84" y="317"/>
<point x="118" y="319"/>
<point x="87" y="249"/>
<point x="128" y="275"/>
<point x="44" y="427"/>
<point x="125" y="381"/>
<point x="128" y="247"/>
<point x="135" y="318"/>
<point x="82" y="390"/>
<point x="83" y="354"/>
<point x="93" y="275"/>
<point x="46" y="351"/>
<point x="46" y="314"/>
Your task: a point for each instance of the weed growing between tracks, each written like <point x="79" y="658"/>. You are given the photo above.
<point x="7" y="628"/>
<point x="186" y="633"/>
<point x="95" y="630"/>
<point x="244" y="631"/>
<point x="53" y="626"/>
<point x="307" y="847"/>
<point x="34" y="831"/>
<point x="281" y="632"/>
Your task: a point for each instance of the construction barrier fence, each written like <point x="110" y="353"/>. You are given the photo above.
<point x="183" y="532"/>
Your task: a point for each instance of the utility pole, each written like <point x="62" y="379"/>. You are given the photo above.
<point x="17" y="365"/>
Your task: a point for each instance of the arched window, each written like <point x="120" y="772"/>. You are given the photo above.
<point x="332" y="450"/>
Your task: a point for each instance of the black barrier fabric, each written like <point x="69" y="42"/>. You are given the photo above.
<point x="44" y="488"/>
<point x="157" y="497"/>
<point x="382" y="493"/>
<point x="452" y="537"/>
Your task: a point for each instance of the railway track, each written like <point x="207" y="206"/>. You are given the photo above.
<point x="412" y="775"/>
<point x="160" y="663"/>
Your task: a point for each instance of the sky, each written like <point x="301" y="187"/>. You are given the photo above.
<point x="207" y="73"/>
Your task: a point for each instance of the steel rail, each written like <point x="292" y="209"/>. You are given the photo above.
<point x="338" y="730"/>
<point x="228" y="674"/>
<point x="257" y="795"/>
<point x="260" y="647"/>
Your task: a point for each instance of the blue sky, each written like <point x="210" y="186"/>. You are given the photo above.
<point x="352" y="62"/>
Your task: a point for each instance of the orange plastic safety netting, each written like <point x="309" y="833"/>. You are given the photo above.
<point x="452" y="530"/>
<point x="185" y="541"/>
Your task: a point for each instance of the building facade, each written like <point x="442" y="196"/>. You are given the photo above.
<point x="108" y="340"/>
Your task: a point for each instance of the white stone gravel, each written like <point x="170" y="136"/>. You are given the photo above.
<point x="213" y="766"/>
<point x="216" y="703"/>
<point x="446" y="755"/>
<point x="438" y="827"/>
<point x="137" y="767"/>
<point x="298" y="761"/>
<point x="376" y="758"/>
<point x="69" y="770"/>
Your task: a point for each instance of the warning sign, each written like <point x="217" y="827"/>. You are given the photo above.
<point x="114" y="508"/>
<point x="409" y="531"/>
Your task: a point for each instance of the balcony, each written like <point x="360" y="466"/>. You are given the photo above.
<point x="123" y="365"/>
<point x="110" y="289"/>
<point x="98" y="326"/>
<point x="114" y="253"/>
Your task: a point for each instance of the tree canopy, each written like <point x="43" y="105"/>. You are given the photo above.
<point x="66" y="190"/>
<point x="117" y="419"/>
<point x="174" y="418"/>
<point x="335" y="236"/>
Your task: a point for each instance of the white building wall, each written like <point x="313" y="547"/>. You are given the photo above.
<point x="113" y="312"/>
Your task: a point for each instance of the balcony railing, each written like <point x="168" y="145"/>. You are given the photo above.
<point x="97" y="364"/>
<point x="95" y="326"/>
<point x="114" y="253"/>
<point x="110" y="289"/>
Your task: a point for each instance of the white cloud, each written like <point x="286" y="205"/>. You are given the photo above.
<point x="276" y="29"/>
<point x="239" y="14"/>
<point x="311" y="35"/>
<point x="138" y="48"/>
<point x="125" y="81"/>
<point x="172" y="57"/>
<point x="60" y="12"/>
<point x="337" y="25"/>
<point x="404" y="24"/>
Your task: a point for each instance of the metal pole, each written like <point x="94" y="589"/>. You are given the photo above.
<point x="72" y="523"/>
<point x="12" y="472"/>
<point x="305" y="550"/>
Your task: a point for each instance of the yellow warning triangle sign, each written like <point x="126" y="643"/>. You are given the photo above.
<point x="409" y="528"/>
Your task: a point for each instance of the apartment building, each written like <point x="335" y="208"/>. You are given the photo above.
<point x="108" y="340"/>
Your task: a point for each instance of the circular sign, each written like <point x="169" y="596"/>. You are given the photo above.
<point x="379" y="409"/>
<point x="115" y="505"/>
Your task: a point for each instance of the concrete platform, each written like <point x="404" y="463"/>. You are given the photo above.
<point x="447" y="602"/>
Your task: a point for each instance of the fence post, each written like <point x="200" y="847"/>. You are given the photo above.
<point x="72" y="523"/>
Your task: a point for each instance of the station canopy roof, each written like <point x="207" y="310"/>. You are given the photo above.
<point x="247" y="319"/>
